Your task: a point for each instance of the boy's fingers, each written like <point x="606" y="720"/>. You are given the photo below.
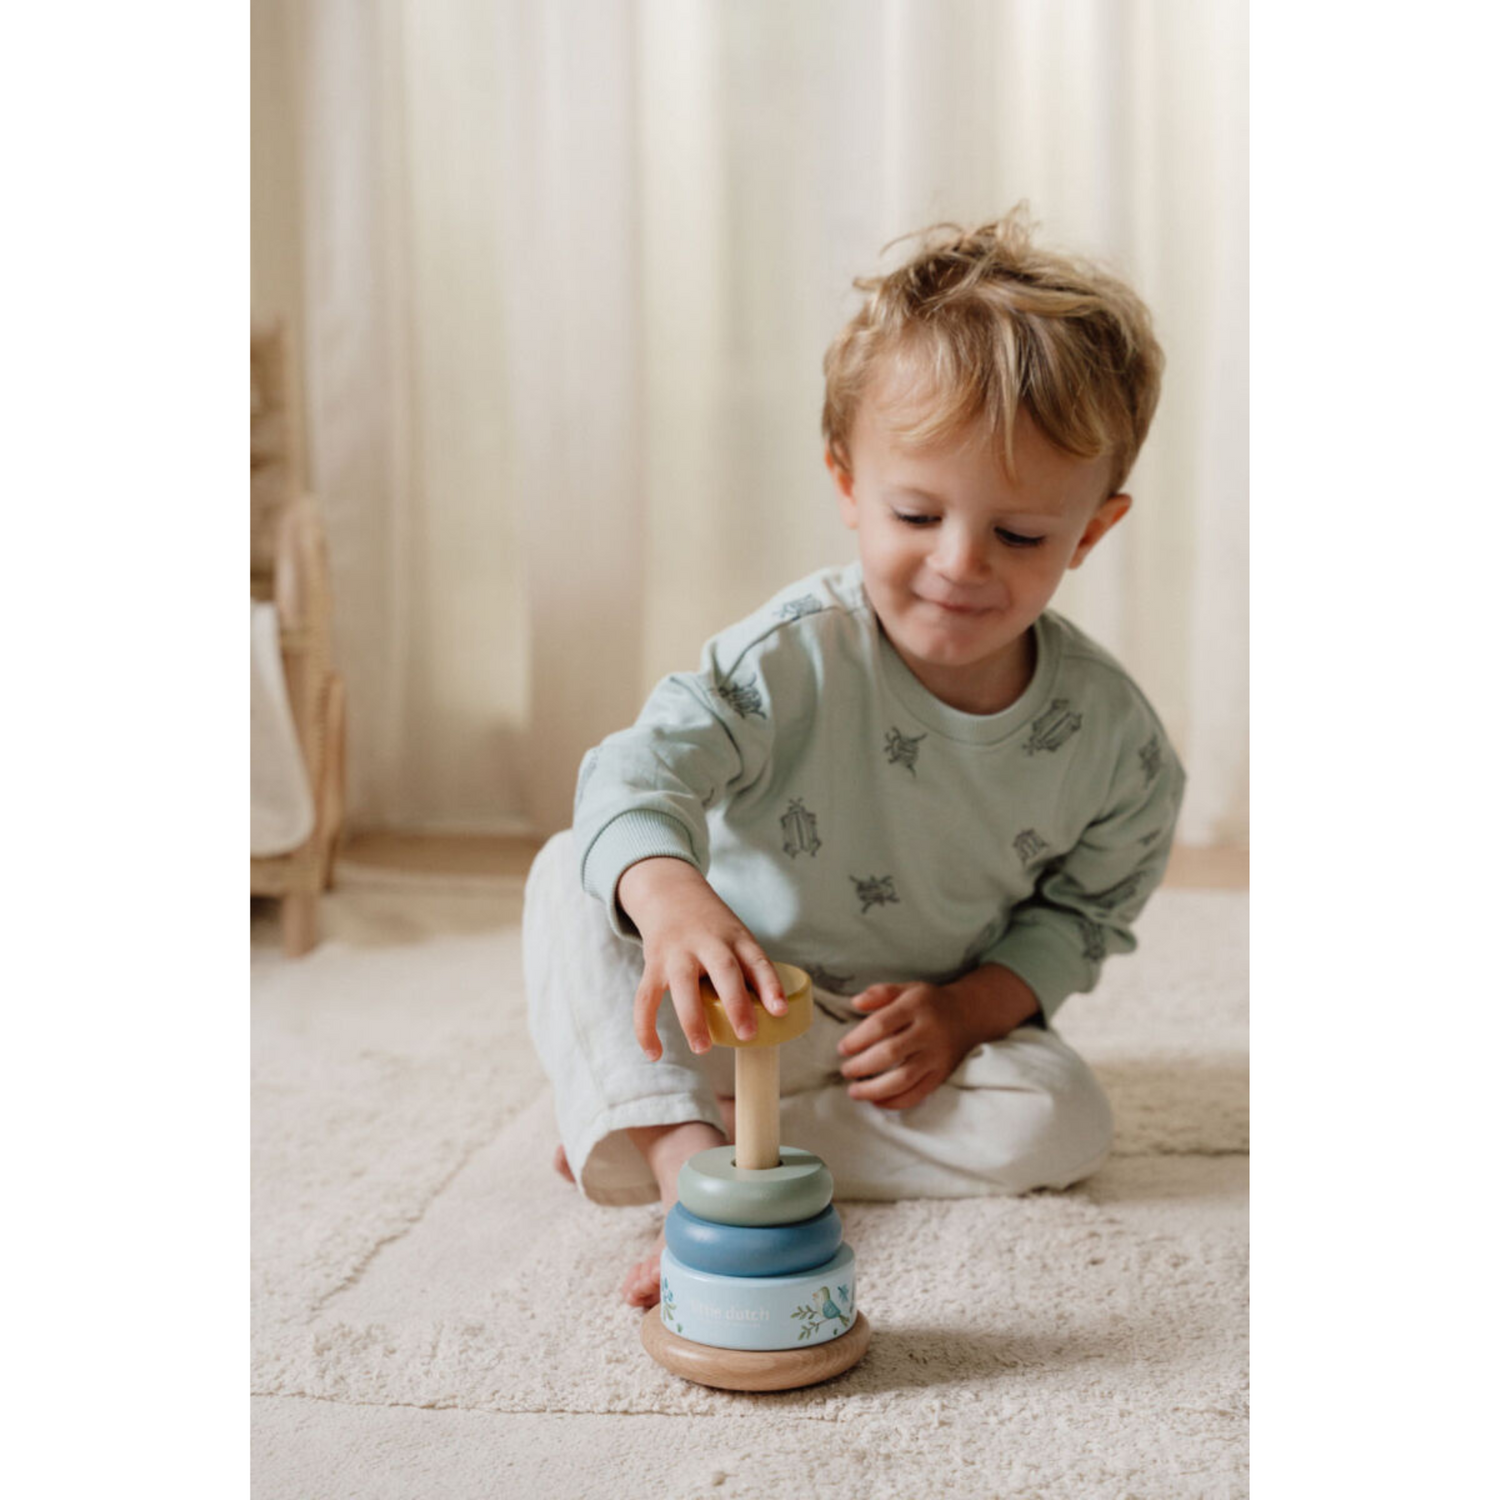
<point x="647" y="1000"/>
<point x="892" y="1085"/>
<point x="729" y="984"/>
<point x="877" y="994"/>
<point x="767" y="980"/>
<point x="877" y="1058"/>
<point x="682" y="980"/>
<point x="913" y="1096"/>
<point x="871" y="1029"/>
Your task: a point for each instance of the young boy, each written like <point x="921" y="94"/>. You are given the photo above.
<point x="905" y="776"/>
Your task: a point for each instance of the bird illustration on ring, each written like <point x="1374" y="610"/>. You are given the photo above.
<point x="831" y="1308"/>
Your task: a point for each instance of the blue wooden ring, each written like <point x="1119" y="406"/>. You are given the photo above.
<point x="711" y="1186"/>
<point x="759" y="1312"/>
<point x="753" y="1250"/>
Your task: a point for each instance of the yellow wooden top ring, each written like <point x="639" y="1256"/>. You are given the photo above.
<point x="770" y="1031"/>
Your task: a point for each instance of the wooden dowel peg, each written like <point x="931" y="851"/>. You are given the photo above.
<point x="757" y="1107"/>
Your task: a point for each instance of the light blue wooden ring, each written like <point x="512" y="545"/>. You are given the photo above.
<point x="753" y="1250"/>
<point x="711" y="1186"/>
<point x="759" y="1312"/>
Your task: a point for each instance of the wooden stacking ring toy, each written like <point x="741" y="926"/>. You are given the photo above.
<point x="757" y="1286"/>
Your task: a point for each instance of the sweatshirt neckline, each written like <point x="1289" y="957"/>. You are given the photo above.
<point x="954" y="723"/>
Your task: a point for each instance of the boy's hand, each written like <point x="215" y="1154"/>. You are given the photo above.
<point x="916" y="1036"/>
<point x="687" y="931"/>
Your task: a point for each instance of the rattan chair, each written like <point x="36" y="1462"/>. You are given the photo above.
<point x="289" y="565"/>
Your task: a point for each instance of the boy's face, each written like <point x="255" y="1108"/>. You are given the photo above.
<point x="960" y="558"/>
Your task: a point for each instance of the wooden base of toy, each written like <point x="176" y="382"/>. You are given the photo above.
<point x="750" y="1369"/>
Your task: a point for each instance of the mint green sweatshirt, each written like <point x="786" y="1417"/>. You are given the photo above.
<point x="867" y="832"/>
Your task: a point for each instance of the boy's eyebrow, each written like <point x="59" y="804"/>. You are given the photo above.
<point x="931" y="499"/>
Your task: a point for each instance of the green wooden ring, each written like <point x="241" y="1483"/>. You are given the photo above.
<point x="711" y="1186"/>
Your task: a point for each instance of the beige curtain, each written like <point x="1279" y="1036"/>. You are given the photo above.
<point x="568" y="270"/>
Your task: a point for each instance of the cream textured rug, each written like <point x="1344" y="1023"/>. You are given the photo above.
<point x="434" y="1311"/>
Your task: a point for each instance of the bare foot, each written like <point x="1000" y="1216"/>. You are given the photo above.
<point x="665" y="1148"/>
<point x="642" y="1284"/>
<point x="560" y="1164"/>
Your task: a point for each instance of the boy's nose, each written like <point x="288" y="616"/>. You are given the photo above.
<point x="962" y="556"/>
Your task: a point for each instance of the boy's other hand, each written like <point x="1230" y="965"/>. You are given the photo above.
<point x="910" y="1042"/>
<point x="687" y="930"/>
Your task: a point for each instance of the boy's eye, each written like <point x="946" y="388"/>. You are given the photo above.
<point x="1010" y="538"/>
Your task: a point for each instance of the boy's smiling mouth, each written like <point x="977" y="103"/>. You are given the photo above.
<point x="956" y="609"/>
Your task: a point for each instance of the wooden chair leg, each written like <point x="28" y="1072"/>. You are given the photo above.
<point x="299" y="923"/>
<point x="332" y="812"/>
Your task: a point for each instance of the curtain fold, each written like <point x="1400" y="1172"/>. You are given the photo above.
<point x="569" y="272"/>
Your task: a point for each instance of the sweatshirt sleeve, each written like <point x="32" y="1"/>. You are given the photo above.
<point x="647" y="790"/>
<point x="1086" y="900"/>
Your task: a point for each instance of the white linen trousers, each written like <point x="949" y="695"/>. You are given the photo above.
<point x="1017" y="1114"/>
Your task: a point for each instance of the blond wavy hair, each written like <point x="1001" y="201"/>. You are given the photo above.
<point x="984" y="324"/>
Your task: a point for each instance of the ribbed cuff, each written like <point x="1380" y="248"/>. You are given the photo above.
<point x="625" y="841"/>
<point x="1048" y="960"/>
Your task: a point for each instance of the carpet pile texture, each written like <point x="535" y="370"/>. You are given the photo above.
<point x="435" y="1312"/>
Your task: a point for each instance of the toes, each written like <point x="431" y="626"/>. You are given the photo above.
<point x="560" y="1164"/>
<point x="638" y="1293"/>
<point x="642" y="1284"/>
<point x="645" y="1294"/>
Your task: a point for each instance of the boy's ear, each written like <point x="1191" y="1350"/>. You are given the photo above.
<point x="1109" y="514"/>
<point x="844" y="482"/>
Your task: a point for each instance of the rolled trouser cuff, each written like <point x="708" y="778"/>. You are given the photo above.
<point x="606" y="1163"/>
